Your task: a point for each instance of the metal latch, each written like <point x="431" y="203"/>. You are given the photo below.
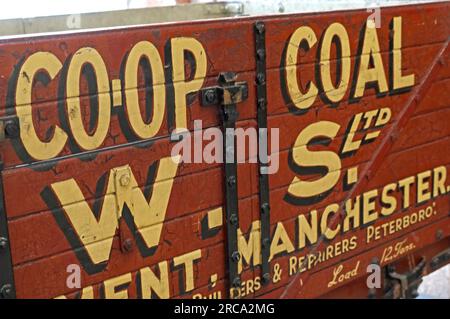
<point x="227" y="94"/>
<point x="9" y="127"/>
<point x="404" y="286"/>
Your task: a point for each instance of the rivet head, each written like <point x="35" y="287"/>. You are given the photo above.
<point x="125" y="180"/>
<point x="236" y="282"/>
<point x="233" y="219"/>
<point x="266" y="242"/>
<point x="226" y="116"/>
<point x="260" y="54"/>
<point x="266" y="278"/>
<point x="231" y="180"/>
<point x="210" y="96"/>
<point x="236" y="256"/>
<point x="260" y="27"/>
<point x="128" y="245"/>
<point x="262" y="104"/>
<point x="3" y="242"/>
<point x="11" y="129"/>
<point x="260" y="78"/>
<point x="6" y="291"/>
<point x="265" y="208"/>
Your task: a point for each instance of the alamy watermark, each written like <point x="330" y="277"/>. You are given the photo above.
<point x="374" y="279"/>
<point x="207" y="146"/>
<point x="73" y="280"/>
<point x="374" y="19"/>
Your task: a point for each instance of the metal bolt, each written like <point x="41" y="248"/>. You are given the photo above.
<point x="231" y="180"/>
<point x="262" y="104"/>
<point x="265" y="208"/>
<point x="266" y="278"/>
<point x="439" y="234"/>
<point x="226" y="116"/>
<point x="236" y="282"/>
<point x="210" y="96"/>
<point x="260" y="27"/>
<point x="233" y="219"/>
<point x="128" y="245"/>
<point x="12" y="129"/>
<point x="261" y="78"/>
<point x="236" y="256"/>
<point x="260" y="54"/>
<point x="6" y="291"/>
<point x="125" y="180"/>
<point x="3" y="242"/>
<point x="266" y="242"/>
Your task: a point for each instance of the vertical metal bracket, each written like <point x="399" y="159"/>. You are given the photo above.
<point x="7" y="287"/>
<point x="261" y="96"/>
<point x="228" y="93"/>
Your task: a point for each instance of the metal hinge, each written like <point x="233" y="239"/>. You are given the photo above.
<point x="227" y="94"/>
<point x="9" y="127"/>
<point x="404" y="286"/>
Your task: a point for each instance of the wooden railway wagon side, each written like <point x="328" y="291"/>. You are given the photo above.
<point x="115" y="181"/>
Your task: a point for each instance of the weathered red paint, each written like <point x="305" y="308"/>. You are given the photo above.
<point x="416" y="139"/>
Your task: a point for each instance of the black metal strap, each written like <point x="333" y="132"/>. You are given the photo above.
<point x="231" y="193"/>
<point x="229" y="117"/>
<point x="7" y="288"/>
<point x="261" y="95"/>
<point x="228" y="94"/>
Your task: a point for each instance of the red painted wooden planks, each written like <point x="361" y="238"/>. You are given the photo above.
<point x="105" y="102"/>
